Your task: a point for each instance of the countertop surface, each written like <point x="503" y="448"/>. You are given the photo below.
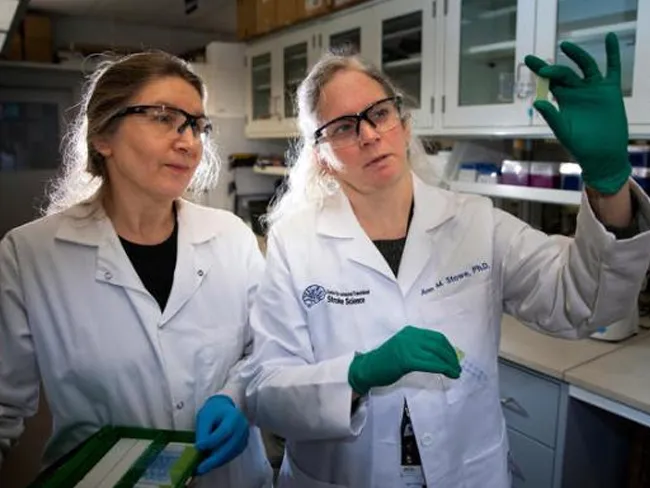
<point x="619" y="371"/>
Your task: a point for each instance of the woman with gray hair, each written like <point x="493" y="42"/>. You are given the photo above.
<point x="129" y="303"/>
<point x="360" y="247"/>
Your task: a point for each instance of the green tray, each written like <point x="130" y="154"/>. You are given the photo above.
<point x="75" y="467"/>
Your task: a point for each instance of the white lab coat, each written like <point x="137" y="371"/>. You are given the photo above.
<point x="74" y="313"/>
<point x="328" y="292"/>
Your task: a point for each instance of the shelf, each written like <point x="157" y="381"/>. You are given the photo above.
<point x="403" y="63"/>
<point x="597" y="31"/>
<point x="295" y="57"/>
<point x="49" y="66"/>
<point x="261" y="67"/>
<point x="543" y="195"/>
<point x="500" y="12"/>
<point x="402" y="33"/>
<point x="497" y="47"/>
<point x="270" y="170"/>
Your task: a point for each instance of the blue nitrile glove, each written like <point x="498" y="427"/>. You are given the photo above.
<point x="221" y="432"/>
<point x="591" y="123"/>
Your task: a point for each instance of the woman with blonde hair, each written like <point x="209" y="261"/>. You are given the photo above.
<point x="377" y="323"/>
<point x="129" y="303"/>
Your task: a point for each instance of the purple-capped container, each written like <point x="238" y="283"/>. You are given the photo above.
<point x="544" y="175"/>
<point x="515" y="172"/>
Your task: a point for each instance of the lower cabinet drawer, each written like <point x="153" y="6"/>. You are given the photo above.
<point x="530" y="403"/>
<point x="531" y="463"/>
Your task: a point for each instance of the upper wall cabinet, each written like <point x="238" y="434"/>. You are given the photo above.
<point x="275" y="69"/>
<point x="486" y="81"/>
<point x="354" y="33"/>
<point x="459" y="63"/>
<point x="586" y="22"/>
<point x="407" y="54"/>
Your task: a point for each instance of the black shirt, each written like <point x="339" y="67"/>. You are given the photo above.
<point x="155" y="265"/>
<point x="392" y="251"/>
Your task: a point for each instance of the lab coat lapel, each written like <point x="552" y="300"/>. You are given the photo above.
<point x="193" y="260"/>
<point x="89" y="225"/>
<point x="337" y="222"/>
<point x="432" y="207"/>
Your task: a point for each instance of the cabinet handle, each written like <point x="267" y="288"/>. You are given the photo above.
<point x="277" y="99"/>
<point x="507" y="401"/>
<point x="514" y="468"/>
<point x="513" y="405"/>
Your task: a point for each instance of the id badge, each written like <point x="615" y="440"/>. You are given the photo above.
<point x="413" y="477"/>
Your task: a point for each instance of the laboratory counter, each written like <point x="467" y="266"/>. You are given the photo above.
<point x="562" y="397"/>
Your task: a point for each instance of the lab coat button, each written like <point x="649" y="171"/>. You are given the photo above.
<point x="180" y="405"/>
<point x="427" y="439"/>
<point x="200" y="272"/>
<point x="108" y="275"/>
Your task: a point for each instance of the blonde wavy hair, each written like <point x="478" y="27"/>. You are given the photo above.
<point x="83" y="176"/>
<point x="308" y="183"/>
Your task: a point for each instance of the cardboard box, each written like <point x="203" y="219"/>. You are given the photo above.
<point x="15" y="50"/>
<point x="313" y="8"/>
<point x="37" y="39"/>
<point x="246" y="19"/>
<point x="266" y="16"/>
<point x="287" y="12"/>
<point x="38" y="49"/>
<point x="37" y="26"/>
<point x="341" y="4"/>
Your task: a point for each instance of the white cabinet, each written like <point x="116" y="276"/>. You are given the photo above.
<point x="486" y="82"/>
<point x="459" y="63"/>
<point x="262" y="109"/>
<point x="354" y="33"/>
<point x="275" y="69"/>
<point x="396" y="36"/>
<point x="586" y="22"/>
<point x="408" y="56"/>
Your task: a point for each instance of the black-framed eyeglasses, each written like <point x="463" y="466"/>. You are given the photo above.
<point x="382" y="115"/>
<point x="170" y="119"/>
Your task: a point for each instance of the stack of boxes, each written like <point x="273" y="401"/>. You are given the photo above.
<point x="32" y="41"/>
<point x="258" y="17"/>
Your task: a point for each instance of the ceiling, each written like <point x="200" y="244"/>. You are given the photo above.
<point x="217" y="16"/>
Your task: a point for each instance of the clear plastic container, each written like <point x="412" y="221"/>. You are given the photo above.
<point x="467" y="172"/>
<point x="487" y="173"/>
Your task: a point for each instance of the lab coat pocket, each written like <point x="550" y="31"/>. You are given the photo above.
<point x="465" y="319"/>
<point x="473" y="379"/>
<point x="292" y="477"/>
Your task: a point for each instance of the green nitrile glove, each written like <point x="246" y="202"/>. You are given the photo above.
<point x="411" y="349"/>
<point x="591" y="122"/>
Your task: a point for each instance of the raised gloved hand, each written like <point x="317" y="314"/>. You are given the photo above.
<point x="591" y="122"/>
<point x="411" y="349"/>
<point x="221" y="432"/>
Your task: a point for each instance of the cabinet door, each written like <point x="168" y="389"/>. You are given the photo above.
<point x="586" y="22"/>
<point x="408" y="54"/>
<point x="297" y="56"/>
<point x="530" y="463"/>
<point x="486" y="81"/>
<point x="263" y="111"/>
<point x="354" y="34"/>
